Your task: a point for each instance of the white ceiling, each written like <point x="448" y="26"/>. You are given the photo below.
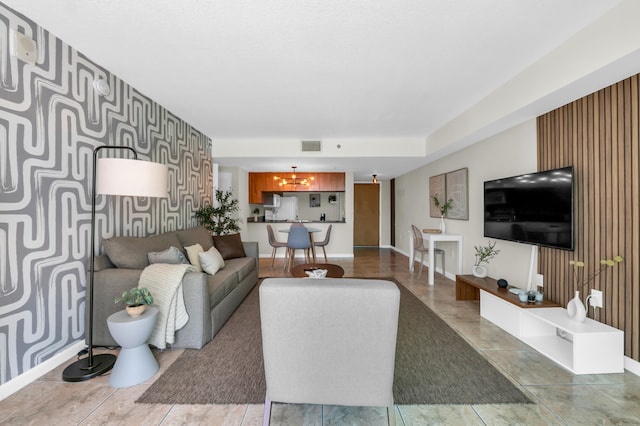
<point x="322" y="69"/>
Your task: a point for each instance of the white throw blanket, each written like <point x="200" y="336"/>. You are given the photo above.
<point x="164" y="281"/>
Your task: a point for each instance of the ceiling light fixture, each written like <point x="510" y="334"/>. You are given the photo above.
<point x="375" y="179"/>
<point x="294" y="179"/>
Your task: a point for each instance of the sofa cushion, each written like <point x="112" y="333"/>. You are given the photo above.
<point x="172" y="255"/>
<point x="229" y="246"/>
<point x="211" y="261"/>
<point x="193" y="253"/>
<point x="243" y="266"/>
<point x="131" y="252"/>
<point x="221" y="284"/>
<point x="197" y="235"/>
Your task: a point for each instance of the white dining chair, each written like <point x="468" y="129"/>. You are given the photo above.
<point x="419" y="246"/>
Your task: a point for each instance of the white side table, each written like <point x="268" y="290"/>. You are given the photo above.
<point x="431" y="240"/>
<point x="135" y="363"/>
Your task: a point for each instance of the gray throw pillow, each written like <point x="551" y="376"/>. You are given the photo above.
<point x="171" y="255"/>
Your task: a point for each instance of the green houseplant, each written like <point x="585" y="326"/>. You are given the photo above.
<point x="135" y="300"/>
<point x="219" y="220"/>
<point x="444" y="208"/>
<point x="483" y="255"/>
<point x="256" y="213"/>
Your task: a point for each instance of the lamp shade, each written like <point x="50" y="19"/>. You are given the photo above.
<point x="119" y="176"/>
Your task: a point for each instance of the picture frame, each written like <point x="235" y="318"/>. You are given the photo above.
<point x="437" y="188"/>
<point x="314" y="200"/>
<point x="457" y="189"/>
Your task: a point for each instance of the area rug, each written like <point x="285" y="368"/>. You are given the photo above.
<point x="434" y="365"/>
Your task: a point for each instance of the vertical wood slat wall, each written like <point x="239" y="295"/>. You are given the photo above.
<point x="599" y="136"/>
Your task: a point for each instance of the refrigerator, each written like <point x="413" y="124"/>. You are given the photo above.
<point x="288" y="209"/>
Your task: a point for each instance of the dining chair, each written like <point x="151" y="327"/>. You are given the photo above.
<point x="419" y="246"/>
<point x="274" y="243"/>
<point x="324" y="242"/>
<point x="298" y="240"/>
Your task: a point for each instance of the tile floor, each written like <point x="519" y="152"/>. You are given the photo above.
<point x="561" y="397"/>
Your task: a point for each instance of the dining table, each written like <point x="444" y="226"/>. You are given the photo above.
<point x="311" y="231"/>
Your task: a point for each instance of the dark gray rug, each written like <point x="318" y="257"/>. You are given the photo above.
<point x="434" y="365"/>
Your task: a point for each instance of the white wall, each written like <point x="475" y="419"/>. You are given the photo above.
<point x="385" y="202"/>
<point x="509" y="153"/>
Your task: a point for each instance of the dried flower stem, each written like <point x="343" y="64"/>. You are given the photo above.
<point x="604" y="263"/>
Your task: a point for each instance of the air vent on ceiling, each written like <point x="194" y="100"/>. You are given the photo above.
<point x="311" y="146"/>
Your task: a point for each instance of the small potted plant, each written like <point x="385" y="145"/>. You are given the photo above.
<point x="135" y="300"/>
<point x="256" y="212"/>
<point x="483" y="255"/>
<point x="444" y="208"/>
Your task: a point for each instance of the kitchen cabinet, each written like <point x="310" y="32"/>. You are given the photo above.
<point x="256" y="186"/>
<point x="260" y="182"/>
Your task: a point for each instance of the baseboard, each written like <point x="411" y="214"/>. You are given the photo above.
<point x="632" y="365"/>
<point x="30" y="376"/>
<point x="319" y="256"/>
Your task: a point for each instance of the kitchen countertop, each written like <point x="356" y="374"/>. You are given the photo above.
<point x="262" y="220"/>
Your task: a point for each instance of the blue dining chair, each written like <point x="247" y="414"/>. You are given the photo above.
<point x="298" y="240"/>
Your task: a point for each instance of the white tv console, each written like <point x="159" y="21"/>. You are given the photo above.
<point x="582" y="348"/>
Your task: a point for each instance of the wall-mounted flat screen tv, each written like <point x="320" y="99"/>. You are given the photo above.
<point x="534" y="208"/>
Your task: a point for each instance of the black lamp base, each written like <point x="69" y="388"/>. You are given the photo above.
<point x="80" y="371"/>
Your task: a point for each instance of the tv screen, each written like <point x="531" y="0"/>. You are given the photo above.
<point x="534" y="208"/>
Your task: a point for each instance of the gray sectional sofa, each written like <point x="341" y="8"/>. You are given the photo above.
<point x="210" y="299"/>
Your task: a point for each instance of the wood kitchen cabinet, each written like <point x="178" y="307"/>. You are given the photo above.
<point x="256" y="186"/>
<point x="260" y="182"/>
<point x="336" y="182"/>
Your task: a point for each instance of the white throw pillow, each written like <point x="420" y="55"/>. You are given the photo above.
<point x="192" y="253"/>
<point x="211" y="261"/>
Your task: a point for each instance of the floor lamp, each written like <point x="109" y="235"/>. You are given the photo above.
<point x="113" y="176"/>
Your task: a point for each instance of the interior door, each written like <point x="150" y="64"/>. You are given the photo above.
<point x="366" y="212"/>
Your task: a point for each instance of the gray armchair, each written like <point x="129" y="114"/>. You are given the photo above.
<point x="329" y="341"/>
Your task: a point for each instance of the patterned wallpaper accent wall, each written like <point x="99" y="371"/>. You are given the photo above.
<point x="51" y="119"/>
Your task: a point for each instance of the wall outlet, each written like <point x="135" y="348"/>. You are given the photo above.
<point x="539" y="280"/>
<point x="596" y="298"/>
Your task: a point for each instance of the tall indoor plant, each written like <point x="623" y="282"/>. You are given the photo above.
<point x="221" y="220"/>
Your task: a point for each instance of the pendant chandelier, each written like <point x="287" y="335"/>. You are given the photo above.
<point x="293" y="180"/>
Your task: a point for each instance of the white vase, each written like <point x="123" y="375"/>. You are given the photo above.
<point x="575" y="309"/>
<point x="442" y="226"/>
<point x="479" y="271"/>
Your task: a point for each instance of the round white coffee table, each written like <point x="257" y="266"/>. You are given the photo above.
<point x="135" y="363"/>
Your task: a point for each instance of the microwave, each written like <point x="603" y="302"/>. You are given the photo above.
<point x="270" y="200"/>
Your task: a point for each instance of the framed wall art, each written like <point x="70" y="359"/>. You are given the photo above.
<point x="437" y="188"/>
<point x="314" y="200"/>
<point x="457" y="184"/>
